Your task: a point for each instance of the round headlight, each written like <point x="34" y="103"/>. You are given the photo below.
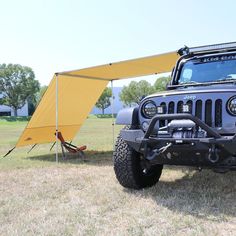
<point x="231" y="106"/>
<point x="149" y="109"/>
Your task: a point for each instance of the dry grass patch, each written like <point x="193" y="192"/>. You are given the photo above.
<point x="38" y="197"/>
<point x="85" y="199"/>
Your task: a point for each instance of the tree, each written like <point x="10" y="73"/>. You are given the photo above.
<point x="104" y="100"/>
<point x="33" y="103"/>
<point x="41" y="93"/>
<point x="160" y="84"/>
<point x="17" y="85"/>
<point x="135" y="91"/>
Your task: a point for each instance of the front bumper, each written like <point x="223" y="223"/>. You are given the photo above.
<point x="213" y="150"/>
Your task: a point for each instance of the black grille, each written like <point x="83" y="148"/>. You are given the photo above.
<point x="162" y="123"/>
<point x="171" y="109"/>
<point x="180" y="107"/>
<point x="198" y="109"/>
<point x="208" y="111"/>
<point x="218" y="113"/>
<point x="190" y="104"/>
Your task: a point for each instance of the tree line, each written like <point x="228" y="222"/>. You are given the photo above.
<point x="133" y="93"/>
<point x="18" y="86"/>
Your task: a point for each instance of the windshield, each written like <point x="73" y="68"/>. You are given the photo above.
<point x="211" y="69"/>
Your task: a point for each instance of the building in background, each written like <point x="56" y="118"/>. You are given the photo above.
<point x="24" y="111"/>
<point x="8" y="111"/>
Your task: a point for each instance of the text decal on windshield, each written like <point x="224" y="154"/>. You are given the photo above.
<point x="219" y="58"/>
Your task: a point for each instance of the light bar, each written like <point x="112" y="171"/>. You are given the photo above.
<point x="214" y="47"/>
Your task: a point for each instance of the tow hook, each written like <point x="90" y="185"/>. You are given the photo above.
<point x="158" y="152"/>
<point x="199" y="168"/>
<point x="213" y="155"/>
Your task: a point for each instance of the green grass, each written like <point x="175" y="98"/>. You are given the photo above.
<point x="96" y="134"/>
<point x="13" y="119"/>
<point x="83" y="197"/>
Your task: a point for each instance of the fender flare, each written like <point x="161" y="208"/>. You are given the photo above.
<point x="128" y="116"/>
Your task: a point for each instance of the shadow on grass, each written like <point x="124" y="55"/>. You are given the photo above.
<point x="205" y="194"/>
<point x="97" y="158"/>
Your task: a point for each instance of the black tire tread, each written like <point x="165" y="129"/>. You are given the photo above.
<point x="127" y="167"/>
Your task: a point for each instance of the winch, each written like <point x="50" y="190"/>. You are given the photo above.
<point x="184" y="129"/>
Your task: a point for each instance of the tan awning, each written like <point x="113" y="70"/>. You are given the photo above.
<point x="77" y="92"/>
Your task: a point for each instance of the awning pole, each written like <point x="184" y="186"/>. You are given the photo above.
<point x="32" y="148"/>
<point x="112" y="116"/>
<point x="56" y="118"/>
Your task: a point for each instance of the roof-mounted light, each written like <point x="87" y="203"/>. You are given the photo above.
<point x="208" y="48"/>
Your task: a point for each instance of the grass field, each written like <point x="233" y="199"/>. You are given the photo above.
<point x="75" y="197"/>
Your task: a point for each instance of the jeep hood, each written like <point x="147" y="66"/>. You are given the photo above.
<point x="219" y="88"/>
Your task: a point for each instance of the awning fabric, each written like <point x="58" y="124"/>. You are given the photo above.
<point x="78" y="91"/>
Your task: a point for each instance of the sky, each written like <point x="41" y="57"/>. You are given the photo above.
<point x="59" y="35"/>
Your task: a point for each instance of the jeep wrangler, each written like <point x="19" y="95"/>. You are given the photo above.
<point x="192" y="123"/>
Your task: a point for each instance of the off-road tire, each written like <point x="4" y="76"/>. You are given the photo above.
<point x="128" y="169"/>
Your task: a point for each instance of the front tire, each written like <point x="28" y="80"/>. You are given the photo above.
<point x="130" y="167"/>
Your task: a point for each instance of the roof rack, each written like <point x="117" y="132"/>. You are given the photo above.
<point x="208" y="48"/>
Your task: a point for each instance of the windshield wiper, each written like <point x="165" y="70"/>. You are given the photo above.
<point x="203" y="84"/>
<point x="190" y="83"/>
<point x="226" y="78"/>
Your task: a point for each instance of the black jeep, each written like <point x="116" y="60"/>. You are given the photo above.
<point x="193" y="123"/>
